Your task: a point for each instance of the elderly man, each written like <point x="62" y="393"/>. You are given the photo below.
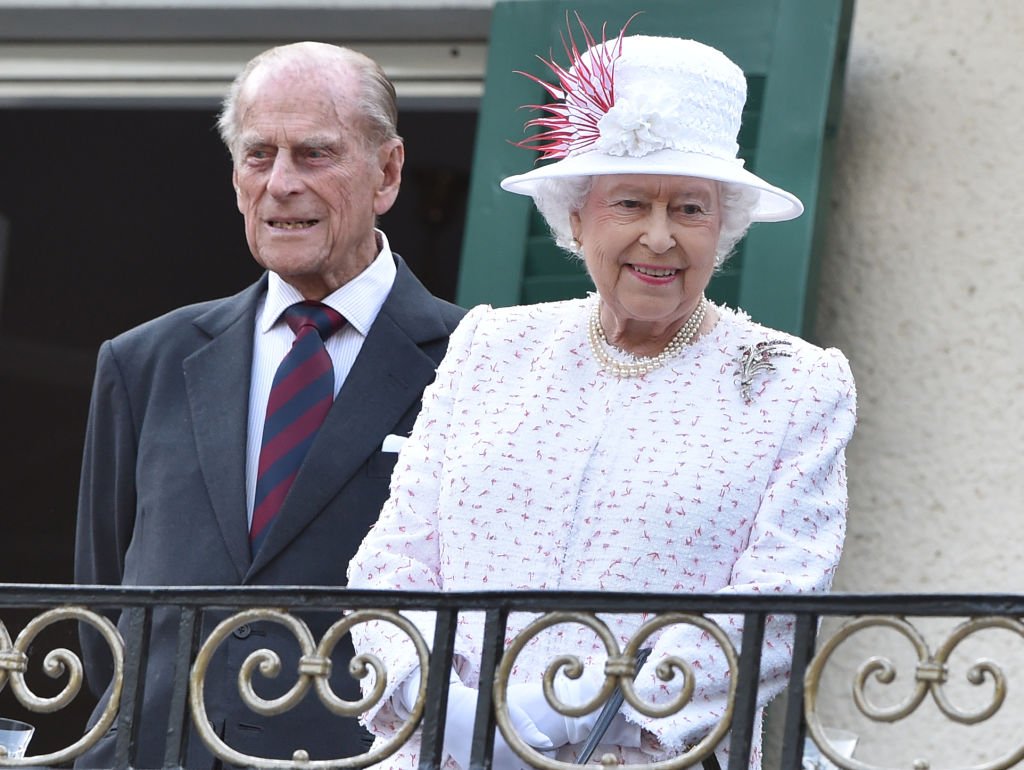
<point x="244" y="441"/>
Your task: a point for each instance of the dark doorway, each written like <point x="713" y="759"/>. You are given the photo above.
<point x="112" y="217"/>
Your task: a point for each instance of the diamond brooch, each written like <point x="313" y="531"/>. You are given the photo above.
<point x="755" y="359"/>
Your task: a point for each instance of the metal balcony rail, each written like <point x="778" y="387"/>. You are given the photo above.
<point x="226" y="610"/>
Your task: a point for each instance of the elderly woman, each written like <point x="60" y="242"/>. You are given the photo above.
<point x="640" y="440"/>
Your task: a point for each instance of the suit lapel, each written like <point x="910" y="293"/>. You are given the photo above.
<point x="387" y="379"/>
<point x="217" y="380"/>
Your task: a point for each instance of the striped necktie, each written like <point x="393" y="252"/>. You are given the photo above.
<point x="300" y="397"/>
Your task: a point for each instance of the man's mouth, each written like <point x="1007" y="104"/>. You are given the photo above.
<point x="290" y="224"/>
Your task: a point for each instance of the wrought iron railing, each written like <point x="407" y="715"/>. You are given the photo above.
<point x="811" y="655"/>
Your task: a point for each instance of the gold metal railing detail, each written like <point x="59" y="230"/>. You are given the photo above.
<point x="14" y="662"/>
<point x="314" y="669"/>
<point x="940" y="671"/>
<point x="930" y="676"/>
<point x="619" y="670"/>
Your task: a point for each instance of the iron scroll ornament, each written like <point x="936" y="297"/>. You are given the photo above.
<point x="314" y="670"/>
<point x="930" y="675"/>
<point x="619" y="670"/>
<point x="14" y="663"/>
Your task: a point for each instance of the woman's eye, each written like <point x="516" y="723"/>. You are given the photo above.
<point x="692" y="209"/>
<point x="629" y="204"/>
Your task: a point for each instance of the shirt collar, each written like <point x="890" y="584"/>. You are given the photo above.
<point x="359" y="300"/>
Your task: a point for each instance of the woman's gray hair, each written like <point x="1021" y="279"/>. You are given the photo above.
<point x="378" y="105"/>
<point x="558" y="197"/>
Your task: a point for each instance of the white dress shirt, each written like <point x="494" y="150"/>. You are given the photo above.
<point x="359" y="301"/>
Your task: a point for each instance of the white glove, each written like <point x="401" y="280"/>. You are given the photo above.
<point x="458" y="731"/>
<point x="405" y="694"/>
<point x="560" y="729"/>
<point x="460" y="720"/>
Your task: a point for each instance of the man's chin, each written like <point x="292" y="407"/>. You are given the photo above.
<point x="293" y="259"/>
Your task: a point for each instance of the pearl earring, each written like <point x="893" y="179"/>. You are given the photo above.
<point x="575" y="245"/>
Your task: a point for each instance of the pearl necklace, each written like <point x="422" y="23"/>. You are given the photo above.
<point x="642" y="365"/>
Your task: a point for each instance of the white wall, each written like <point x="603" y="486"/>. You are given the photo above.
<point x="923" y="288"/>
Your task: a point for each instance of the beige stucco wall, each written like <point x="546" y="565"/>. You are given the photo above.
<point x="923" y="288"/>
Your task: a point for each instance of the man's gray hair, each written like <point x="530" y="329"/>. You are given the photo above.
<point x="377" y="105"/>
<point x="556" y="198"/>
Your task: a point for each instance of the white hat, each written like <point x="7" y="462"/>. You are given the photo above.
<point x="647" y="105"/>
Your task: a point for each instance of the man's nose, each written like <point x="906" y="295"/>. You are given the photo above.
<point x="284" y="177"/>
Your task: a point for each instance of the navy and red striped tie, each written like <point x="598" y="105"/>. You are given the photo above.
<point x="300" y="397"/>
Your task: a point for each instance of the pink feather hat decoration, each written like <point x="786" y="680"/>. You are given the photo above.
<point x="645" y="105"/>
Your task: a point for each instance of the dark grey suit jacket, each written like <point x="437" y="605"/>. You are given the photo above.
<point x="162" y="499"/>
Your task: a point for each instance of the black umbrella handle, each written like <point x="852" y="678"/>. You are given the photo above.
<point x="608" y="714"/>
<point x="611" y="710"/>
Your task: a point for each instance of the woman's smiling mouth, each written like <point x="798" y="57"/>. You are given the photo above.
<point x="652" y="274"/>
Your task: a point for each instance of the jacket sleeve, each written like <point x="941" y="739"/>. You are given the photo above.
<point x="794" y="547"/>
<point x="401" y="551"/>
<point x="106" y="500"/>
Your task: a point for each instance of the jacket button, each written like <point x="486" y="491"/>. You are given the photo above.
<point x="243" y="631"/>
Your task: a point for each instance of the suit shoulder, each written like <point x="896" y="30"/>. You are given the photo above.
<point x="179" y="316"/>
<point x="170" y="323"/>
<point x="451" y="313"/>
<point x="188" y="323"/>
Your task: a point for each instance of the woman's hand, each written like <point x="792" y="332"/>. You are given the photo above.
<point x="460" y="721"/>
<point x="559" y="729"/>
<point x="458" y="731"/>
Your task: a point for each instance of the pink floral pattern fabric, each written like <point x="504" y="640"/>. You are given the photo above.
<point x="532" y="468"/>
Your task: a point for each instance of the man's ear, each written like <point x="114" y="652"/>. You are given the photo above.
<point x="391" y="157"/>
<point x="238" y="191"/>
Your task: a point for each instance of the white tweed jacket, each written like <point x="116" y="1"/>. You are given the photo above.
<point x="532" y="468"/>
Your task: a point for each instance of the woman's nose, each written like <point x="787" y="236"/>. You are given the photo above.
<point x="657" y="235"/>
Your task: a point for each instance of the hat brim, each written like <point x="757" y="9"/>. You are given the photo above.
<point x="774" y="204"/>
